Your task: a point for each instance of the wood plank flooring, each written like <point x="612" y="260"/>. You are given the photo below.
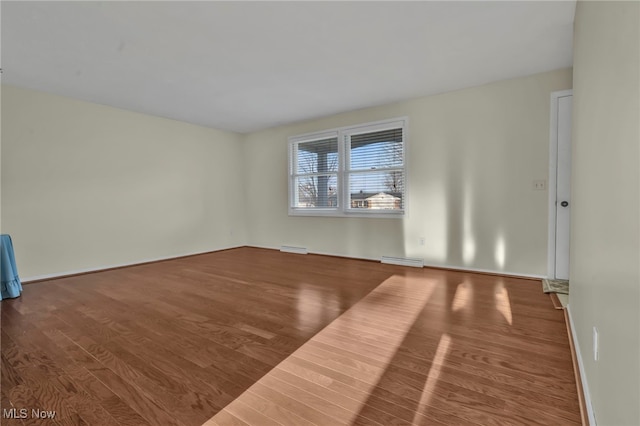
<point x="425" y="348"/>
<point x="177" y="342"/>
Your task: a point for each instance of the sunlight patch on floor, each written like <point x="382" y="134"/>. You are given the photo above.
<point x="464" y="294"/>
<point x="360" y="344"/>
<point x="503" y="304"/>
<point x="432" y="378"/>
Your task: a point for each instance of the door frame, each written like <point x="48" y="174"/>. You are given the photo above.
<point x="553" y="170"/>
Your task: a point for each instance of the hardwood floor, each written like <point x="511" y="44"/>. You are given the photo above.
<point x="174" y="343"/>
<point x="426" y="347"/>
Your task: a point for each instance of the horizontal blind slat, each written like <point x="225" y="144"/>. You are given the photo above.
<point x="371" y="175"/>
<point x="317" y="156"/>
<point x="376" y="170"/>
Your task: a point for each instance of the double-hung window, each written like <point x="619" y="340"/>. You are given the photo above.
<point x="351" y="171"/>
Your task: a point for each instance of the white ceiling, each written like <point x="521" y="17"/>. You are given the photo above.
<point x="245" y="66"/>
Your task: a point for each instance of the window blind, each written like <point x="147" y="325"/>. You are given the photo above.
<point x="376" y="170"/>
<point x="350" y="171"/>
<point x="316" y="173"/>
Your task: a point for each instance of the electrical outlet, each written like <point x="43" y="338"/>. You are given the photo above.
<point x="595" y="344"/>
<point x="422" y="241"/>
<point x="539" y="185"/>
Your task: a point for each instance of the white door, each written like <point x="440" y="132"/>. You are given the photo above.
<point x="562" y="202"/>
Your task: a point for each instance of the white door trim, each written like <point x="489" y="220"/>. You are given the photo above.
<point x="553" y="165"/>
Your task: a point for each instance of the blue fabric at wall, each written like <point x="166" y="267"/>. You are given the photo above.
<point x="11" y="286"/>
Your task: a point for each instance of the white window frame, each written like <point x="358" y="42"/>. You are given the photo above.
<point x="343" y="209"/>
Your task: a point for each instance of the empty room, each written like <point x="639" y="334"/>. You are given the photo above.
<point x="320" y="213"/>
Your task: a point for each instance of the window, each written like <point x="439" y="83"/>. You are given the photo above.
<point x="351" y="171"/>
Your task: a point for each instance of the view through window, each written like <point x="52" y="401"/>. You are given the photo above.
<point x="351" y="170"/>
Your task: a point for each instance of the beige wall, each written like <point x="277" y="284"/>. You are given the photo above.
<point x="473" y="156"/>
<point x="1" y="157"/>
<point x="605" y="241"/>
<point x="88" y="186"/>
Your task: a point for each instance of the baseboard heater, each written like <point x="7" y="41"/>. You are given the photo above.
<point x="403" y="261"/>
<point x="292" y="249"/>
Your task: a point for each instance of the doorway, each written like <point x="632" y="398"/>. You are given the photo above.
<point x="560" y="184"/>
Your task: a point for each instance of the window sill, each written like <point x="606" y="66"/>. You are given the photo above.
<point x="394" y="214"/>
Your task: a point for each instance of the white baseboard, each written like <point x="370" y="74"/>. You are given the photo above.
<point x="403" y="261"/>
<point x="320" y="253"/>
<point x="583" y="377"/>
<point x="426" y="265"/>
<point x="119" y="265"/>
<point x="293" y="249"/>
<point x="485" y="271"/>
